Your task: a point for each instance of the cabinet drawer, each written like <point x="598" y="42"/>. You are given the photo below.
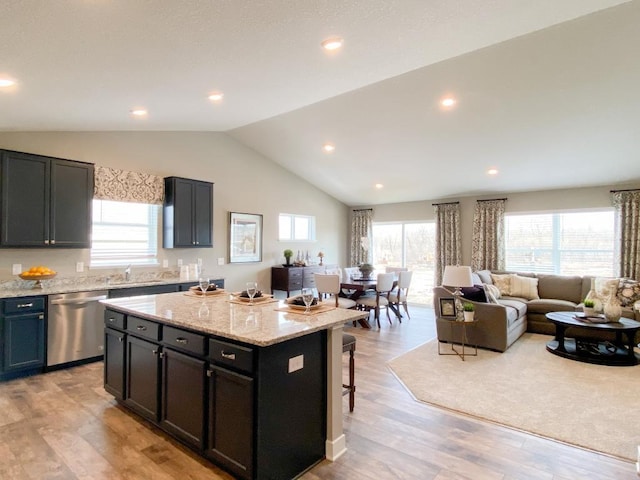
<point x="114" y="319"/>
<point x="178" y="338"/>
<point x="23" y="305"/>
<point x="143" y="328"/>
<point x="231" y="355"/>
<point x="295" y="273"/>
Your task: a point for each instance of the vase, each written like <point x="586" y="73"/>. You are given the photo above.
<point x="612" y="309"/>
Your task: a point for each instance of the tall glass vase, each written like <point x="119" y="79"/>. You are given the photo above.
<point x="612" y="309"/>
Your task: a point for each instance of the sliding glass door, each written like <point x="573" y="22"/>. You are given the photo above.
<point x="410" y="245"/>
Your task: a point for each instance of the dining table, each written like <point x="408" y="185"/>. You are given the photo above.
<point x="358" y="286"/>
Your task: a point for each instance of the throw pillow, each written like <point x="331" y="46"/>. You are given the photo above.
<point x="524" y="287"/>
<point x="492" y="292"/>
<point x="503" y="282"/>
<point x="628" y="292"/>
<point x="474" y="294"/>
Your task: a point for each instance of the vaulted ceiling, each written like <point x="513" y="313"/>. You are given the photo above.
<point x="546" y="91"/>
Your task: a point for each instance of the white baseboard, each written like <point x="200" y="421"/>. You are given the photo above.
<point x="336" y="448"/>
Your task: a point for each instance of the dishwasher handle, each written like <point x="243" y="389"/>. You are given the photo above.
<point x="78" y="301"/>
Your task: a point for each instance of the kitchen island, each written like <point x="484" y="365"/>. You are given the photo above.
<point x="257" y="389"/>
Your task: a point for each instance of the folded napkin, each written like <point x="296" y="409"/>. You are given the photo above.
<point x="297" y="300"/>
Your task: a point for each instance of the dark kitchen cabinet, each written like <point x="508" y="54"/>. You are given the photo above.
<point x="45" y="201"/>
<point x="114" y="362"/>
<point x="231" y="405"/>
<point x="187" y="213"/>
<point x="183" y="383"/>
<point x="142" y="377"/>
<point x="22" y="336"/>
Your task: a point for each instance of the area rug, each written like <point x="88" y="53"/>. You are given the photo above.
<point x="527" y="388"/>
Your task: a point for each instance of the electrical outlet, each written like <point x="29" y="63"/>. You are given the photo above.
<point x="199" y="262"/>
<point x="221" y="261"/>
<point x="165" y="263"/>
<point x="79" y="267"/>
<point x="16" y="269"/>
<point x="179" y="262"/>
<point x="296" y="363"/>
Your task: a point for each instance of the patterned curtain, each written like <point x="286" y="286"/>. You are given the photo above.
<point x="627" y="228"/>
<point x="448" y="248"/>
<point x="123" y="186"/>
<point x="361" y="237"/>
<point x="487" y="247"/>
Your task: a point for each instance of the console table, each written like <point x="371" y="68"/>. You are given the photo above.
<point x="288" y="279"/>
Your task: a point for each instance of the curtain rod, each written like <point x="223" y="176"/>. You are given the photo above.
<point x="492" y="200"/>
<point x="627" y="190"/>
<point x="446" y="203"/>
<point x="362" y="209"/>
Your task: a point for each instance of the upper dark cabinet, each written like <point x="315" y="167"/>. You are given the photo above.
<point x="188" y="213"/>
<point x="45" y="201"/>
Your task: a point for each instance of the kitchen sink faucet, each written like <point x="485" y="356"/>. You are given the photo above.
<point x="127" y="273"/>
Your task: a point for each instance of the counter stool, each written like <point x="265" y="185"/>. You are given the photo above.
<point x="349" y="345"/>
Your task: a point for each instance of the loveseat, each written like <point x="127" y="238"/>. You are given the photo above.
<point x="502" y="320"/>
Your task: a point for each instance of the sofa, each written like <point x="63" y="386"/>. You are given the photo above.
<point x="502" y="320"/>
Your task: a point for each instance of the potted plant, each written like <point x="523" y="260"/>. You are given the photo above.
<point x="468" y="310"/>
<point x="589" y="308"/>
<point x="287" y="256"/>
<point x="366" y="269"/>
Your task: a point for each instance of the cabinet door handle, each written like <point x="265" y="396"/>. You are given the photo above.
<point x="121" y="339"/>
<point x="53" y="242"/>
<point x="41" y="316"/>
<point x="46" y="242"/>
<point x="230" y="356"/>
<point x="155" y="352"/>
<point x="209" y="373"/>
<point x="24" y="305"/>
<point x="111" y="319"/>
<point x="142" y="328"/>
<point x="182" y="341"/>
<point x="161" y="355"/>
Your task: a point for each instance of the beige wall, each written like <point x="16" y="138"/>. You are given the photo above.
<point x="541" y="201"/>
<point x="244" y="181"/>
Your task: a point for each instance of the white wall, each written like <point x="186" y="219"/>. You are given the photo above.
<point x="244" y="181"/>
<point x="540" y="201"/>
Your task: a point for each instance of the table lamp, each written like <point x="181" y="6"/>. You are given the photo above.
<point x="457" y="276"/>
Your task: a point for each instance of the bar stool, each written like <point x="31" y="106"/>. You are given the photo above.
<point x="349" y="345"/>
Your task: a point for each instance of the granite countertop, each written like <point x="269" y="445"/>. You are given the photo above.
<point x="261" y="324"/>
<point x="25" y="288"/>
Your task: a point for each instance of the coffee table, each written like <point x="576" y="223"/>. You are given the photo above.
<point x="616" y="353"/>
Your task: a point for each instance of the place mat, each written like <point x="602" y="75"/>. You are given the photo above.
<point x="315" y="309"/>
<point x="193" y="293"/>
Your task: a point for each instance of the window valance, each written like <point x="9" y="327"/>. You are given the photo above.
<point x="123" y="186"/>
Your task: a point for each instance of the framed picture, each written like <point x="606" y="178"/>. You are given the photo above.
<point x="245" y="237"/>
<point x="448" y="307"/>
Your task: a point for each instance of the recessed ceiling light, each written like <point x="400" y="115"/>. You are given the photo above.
<point x="138" y="112"/>
<point x="332" y="43"/>
<point x="379" y="186"/>
<point x="6" y="82"/>
<point x="216" y="96"/>
<point x="329" y="147"/>
<point x="492" y="171"/>
<point x="448" y="102"/>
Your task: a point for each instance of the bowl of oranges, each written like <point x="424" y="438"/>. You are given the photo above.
<point x="38" y="274"/>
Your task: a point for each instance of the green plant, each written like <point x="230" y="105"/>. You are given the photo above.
<point x="366" y="266"/>
<point x="288" y="253"/>
<point x="467" y="307"/>
<point x="589" y="304"/>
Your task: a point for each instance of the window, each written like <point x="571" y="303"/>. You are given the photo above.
<point x="297" y="227"/>
<point x="410" y="245"/>
<point x="124" y="233"/>
<point x="580" y="243"/>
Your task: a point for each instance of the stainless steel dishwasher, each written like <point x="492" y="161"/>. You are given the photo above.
<point x="75" y="327"/>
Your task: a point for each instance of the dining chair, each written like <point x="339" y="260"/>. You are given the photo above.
<point x="384" y="285"/>
<point x="330" y="284"/>
<point x="399" y="294"/>
<point x="349" y="345"/>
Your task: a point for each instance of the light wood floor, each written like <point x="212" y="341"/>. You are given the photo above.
<point x="63" y="425"/>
